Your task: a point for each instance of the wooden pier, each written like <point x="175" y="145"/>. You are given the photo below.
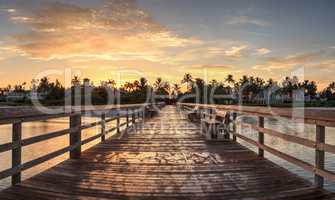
<point x="164" y="157"/>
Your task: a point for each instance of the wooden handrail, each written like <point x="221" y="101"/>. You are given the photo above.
<point x="323" y="117"/>
<point x="319" y="117"/>
<point x="74" y="131"/>
<point x="28" y="114"/>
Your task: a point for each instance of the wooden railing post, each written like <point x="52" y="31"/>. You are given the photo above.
<point x="127" y="117"/>
<point x="319" y="155"/>
<point x="133" y="120"/>
<point x="143" y="116"/>
<point x="16" y="152"/>
<point x="75" y="136"/>
<point x="234" y="125"/>
<point x="103" y="127"/>
<point x="118" y="122"/>
<point x="261" y="136"/>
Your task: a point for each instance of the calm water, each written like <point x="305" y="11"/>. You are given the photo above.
<point x="282" y="125"/>
<point x="303" y="153"/>
<point x="43" y="148"/>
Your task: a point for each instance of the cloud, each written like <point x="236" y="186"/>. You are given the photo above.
<point x="242" y="20"/>
<point x="318" y="59"/>
<point x="324" y="65"/>
<point x="285" y="63"/>
<point x="235" y="51"/>
<point x="8" y="10"/>
<point x="115" y="31"/>
<point x="263" y="51"/>
<point x="223" y="67"/>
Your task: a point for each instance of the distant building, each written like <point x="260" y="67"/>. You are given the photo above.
<point x="24" y="96"/>
<point x="2" y="98"/>
<point x="35" y="96"/>
<point x="15" y="96"/>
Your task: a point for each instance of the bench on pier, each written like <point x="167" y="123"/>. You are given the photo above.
<point x="151" y="112"/>
<point x="216" y="127"/>
<point x="194" y="117"/>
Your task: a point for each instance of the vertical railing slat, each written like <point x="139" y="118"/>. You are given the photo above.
<point x="319" y="155"/>
<point x="75" y="136"/>
<point x="127" y="117"/>
<point x="133" y="120"/>
<point x="103" y="127"/>
<point x="261" y="136"/>
<point x="118" y="122"/>
<point x="16" y="152"/>
<point x="234" y="125"/>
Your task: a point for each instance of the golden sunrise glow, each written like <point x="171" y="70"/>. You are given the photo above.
<point x="97" y="41"/>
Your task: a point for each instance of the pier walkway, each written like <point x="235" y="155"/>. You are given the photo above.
<point x="166" y="158"/>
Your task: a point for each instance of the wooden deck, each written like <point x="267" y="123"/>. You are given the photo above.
<point x="166" y="159"/>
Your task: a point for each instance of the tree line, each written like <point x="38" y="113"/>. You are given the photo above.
<point x="188" y="89"/>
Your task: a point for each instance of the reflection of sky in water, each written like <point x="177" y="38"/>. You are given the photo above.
<point x="43" y="148"/>
<point x="304" y="153"/>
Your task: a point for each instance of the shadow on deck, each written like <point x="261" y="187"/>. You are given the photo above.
<point x="166" y="159"/>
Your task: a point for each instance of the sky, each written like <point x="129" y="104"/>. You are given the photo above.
<point x="128" y="39"/>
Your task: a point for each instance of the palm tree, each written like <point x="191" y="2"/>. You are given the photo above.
<point x="136" y="85"/>
<point x="188" y="79"/>
<point x="128" y="86"/>
<point x="111" y="83"/>
<point x="166" y="87"/>
<point x="143" y="83"/>
<point x="310" y="88"/>
<point x="332" y="86"/>
<point x="270" y="83"/>
<point x="176" y="88"/>
<point x="75" y="81"/>
<point x="158" y="83"/>
<point x="230" y="79"/>
<point x="214" y="82"/>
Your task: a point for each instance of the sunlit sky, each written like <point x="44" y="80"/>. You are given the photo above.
<point x="167" y="38"/>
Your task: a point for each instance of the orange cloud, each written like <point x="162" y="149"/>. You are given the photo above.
<point x="263" y="51"/>
<point x="235" y="51"/>
<point x="116" y="31"/>
<point x="286" y="63"/>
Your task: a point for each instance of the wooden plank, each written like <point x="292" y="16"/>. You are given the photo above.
<point x="165" y="164"/>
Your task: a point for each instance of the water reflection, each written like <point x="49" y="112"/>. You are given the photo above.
<point x="37" y="150"/>
<point x="306" y="154"/>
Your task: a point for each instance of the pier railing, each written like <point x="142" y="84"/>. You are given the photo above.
<point x="132" y="114"/>
<point x="321" y="118"/>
